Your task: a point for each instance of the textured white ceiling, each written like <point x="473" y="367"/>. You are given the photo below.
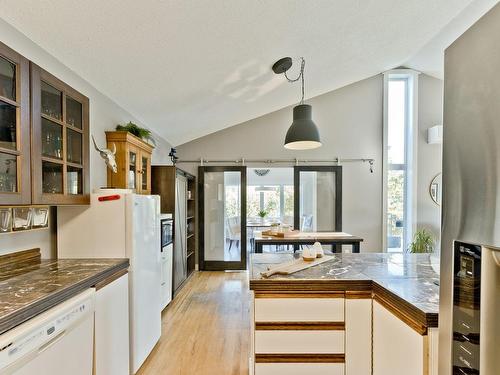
<point x="188" y="68"/>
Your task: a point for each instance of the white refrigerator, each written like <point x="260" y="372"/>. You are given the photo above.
<point x="120" y="224"/>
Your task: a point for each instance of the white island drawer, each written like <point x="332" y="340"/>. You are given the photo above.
<point x="299" y="369"/>
<point x="299" y="309"/>
<point x="299" y="342"/>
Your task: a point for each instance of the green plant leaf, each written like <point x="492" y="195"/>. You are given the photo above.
<point x="423" y="242"/>
<point x="136" y="130"/>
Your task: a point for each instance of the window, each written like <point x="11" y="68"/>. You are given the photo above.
<point x="276" y="200"/>
<point x="400" y="137"/>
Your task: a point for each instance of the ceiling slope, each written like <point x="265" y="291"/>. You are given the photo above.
<point x="192" y="67"/>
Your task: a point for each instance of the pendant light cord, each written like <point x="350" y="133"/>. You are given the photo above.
<point x="300" y="76"/>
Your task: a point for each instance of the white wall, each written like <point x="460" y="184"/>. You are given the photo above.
<point x="104" y="115"/>
<point x="430" y="113"/>
<point x="350" y="124"/>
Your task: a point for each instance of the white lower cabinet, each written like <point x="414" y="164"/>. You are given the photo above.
<point x="358" y="336"/>
<point x="111" y="350"/>
<point x="166" y="264"/>
<point x="299" y="369"/>
<point x="397" y="348"/>
<point x="299" y="342"/>
<point x="359" y="331"/>
<point x="297" y="335"/>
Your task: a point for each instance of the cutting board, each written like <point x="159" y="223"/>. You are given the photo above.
<point x="270" y="233"/>
<point x="295" y="266"/>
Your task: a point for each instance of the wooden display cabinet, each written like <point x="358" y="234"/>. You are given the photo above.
<point x="15" y="181"/>
<point x="177" y="190"/>
<point x="133" y="158"/>
<point x="59" y="141"/>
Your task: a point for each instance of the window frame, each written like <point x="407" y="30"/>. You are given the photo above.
<point x="411" y="157"/>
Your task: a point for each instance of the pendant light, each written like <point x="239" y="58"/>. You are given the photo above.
<point x="303" y="133"/>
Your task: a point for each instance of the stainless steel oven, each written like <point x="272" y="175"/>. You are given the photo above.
<point x="167" y="230"/>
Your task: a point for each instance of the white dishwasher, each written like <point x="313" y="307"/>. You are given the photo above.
<point x="56" y="342"/>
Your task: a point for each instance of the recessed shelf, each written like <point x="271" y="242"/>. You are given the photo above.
<point x="190" y="235"/>
<point x="190" y="217"/>
<point x="190" y="253"/>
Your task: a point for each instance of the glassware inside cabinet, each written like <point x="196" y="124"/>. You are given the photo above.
<point x="40" y="217"/>
<point x="74" y="146"/>
<point x="5" y="220"/>
<point x="74" y="180"/>
<point x="21" y="218"/>
<point x="8" y="173"/>
<point x="51" y="101"/>
<point x="73" y="112"/>
<point x="51" y="139"/>
<point x="8" y="125"/>
<point x="52" y="178"/>
<point x="7" y="79"/>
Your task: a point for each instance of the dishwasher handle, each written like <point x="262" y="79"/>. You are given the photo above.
<point x="51" y="342"/>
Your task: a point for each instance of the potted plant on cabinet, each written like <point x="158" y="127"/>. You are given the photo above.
<point x="139" y="132"/>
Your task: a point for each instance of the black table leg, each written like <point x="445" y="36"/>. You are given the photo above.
<point x="355" y="247"/>
<point x="258" y="247"/>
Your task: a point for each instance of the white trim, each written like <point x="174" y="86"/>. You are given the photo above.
<point x="411" y="152"/>
<point x="384" y="161"/>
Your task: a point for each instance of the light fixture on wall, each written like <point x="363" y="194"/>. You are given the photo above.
<point x="303" y="133"/>
<point x="261" y="172"/>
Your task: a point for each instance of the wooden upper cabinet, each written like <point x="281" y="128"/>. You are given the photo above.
<point x="133" y="158"/>
<point x="15" y="184"/>
<point x="60" y="141"/>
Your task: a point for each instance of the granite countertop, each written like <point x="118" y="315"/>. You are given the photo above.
<point x="408" y="279"/>
<point x="30" y="287"/>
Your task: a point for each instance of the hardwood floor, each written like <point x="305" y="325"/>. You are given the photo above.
<point x="205" y="330"/>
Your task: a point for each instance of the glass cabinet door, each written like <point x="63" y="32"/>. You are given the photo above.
<point x="51" y="101"/>
<point x="144" y="173"/>
<point x="60" y="141"/>
<point x="14" y="128"/>
<point x="132" y="169"/>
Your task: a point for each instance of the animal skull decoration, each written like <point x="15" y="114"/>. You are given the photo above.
<point x="108" y="156"/>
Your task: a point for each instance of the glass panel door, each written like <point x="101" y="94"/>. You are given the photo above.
<point x="15" y="179"/>
<point x="318" y="198"/>
<point x="8" y="79"/>
<point x="8" y="126"/>
<point x="8" y="173"/>
<point x="222" y="207"/>
<point x="144" y="173"/>
<point x="132" y="170"/>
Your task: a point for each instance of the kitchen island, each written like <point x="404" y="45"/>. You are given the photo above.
<point x="356" y="314"/>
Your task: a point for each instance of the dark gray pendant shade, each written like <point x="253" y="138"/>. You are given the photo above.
<point x="303" y="133"/>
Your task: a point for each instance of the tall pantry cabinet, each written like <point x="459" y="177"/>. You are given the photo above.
<point x="177" y="191"/>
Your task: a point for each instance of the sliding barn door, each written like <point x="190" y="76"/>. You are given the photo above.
<point x="318" y="198"/>
<point x="222" y="225"/>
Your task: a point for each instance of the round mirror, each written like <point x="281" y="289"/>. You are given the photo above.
<point x="435" y="189"/>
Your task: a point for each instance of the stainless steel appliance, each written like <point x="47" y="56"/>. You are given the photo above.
<point x="469" y="327"/>
<point x="180" y="229"/>
<point x="466" y="308"/>
<point x="167" y="230"/>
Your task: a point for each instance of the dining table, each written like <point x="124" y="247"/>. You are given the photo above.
<point x="297" y="238"/>
<point x="252" y="225"/>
